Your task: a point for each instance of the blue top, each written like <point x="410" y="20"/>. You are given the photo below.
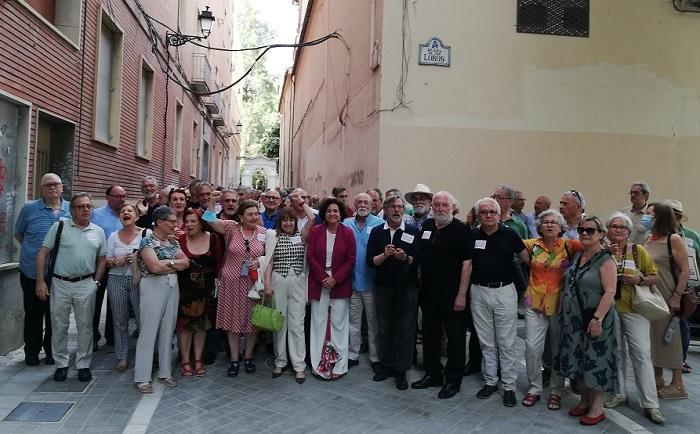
<point x="269" y="221"/>
<point x="33" y="223"/>
<point x="362" y="275"/>
<point x="532" y="224"/>
<point x="105" y="218"/>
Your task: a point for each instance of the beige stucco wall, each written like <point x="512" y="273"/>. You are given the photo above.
<point x="545" y="113"/>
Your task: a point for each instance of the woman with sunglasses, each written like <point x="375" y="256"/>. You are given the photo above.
<point x="634" y="267"/>
<point x="588" y="350"/>
<point x="550" y="256"/>
<point x="244" y="253"/>
<point x="673" y="280"/>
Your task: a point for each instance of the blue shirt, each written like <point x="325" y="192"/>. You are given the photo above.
<point x="532" y="224"/>
<point x="33" y="223"/>
<point x="269" y="221"/>
<point x="362" y="275"/>
<point x="106" y="219"/>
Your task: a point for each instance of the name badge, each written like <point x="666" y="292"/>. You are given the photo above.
<point x="629" y="264"/>
<point x="92" y="237"/>
<point x="262" y="237"/>
<point x="369" y="230"/>
<point x="689" y="242"/>
<point x="480" y="244"/>
<point x="408" y="238"/>
<point x="295" y="239"/>
<point x="426" y="235"/>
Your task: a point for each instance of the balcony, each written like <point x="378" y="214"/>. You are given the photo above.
<point x="218" y="120"/>
<point x="210" y="103"/>
<point x="201" y="73"/>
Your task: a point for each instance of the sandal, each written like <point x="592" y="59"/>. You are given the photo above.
<point x="186" y="369"/>
<point x="249" y="366"/>
<point x="233" y="368"/>
<point x="554" y="402"/>
<point x="144" y="388"/>
<point x="199" y="369"/>
<point x="578" y="411"/>
<point x="686" y="368"/>
<point x="530" y="399"/>
<point x="169" y="382"/>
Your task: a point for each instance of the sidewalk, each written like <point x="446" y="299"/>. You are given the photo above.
<point x="257" y="403"/>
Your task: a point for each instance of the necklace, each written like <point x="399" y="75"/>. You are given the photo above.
<point x="243" y="234"/>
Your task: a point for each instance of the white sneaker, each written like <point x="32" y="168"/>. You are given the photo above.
<point x="615" y="401"/>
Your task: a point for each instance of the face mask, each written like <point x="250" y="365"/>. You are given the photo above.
<point x="647" y="221"/>
<point x="362" y="212"/>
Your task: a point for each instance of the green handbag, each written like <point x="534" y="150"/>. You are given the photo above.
<point x="266" y="316"/>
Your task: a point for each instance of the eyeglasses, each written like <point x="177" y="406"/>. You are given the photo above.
<point x="587" y="231"/>
<point x="488" y="212"/>
<point x="498" y="197"/>
<point x="117" y="196"/>
<point x="396" y="206"/>
<point x="635" y="193"/>
<point x="84" y="206"/>
<point x="618" y="227"/>
<point x="549" y="222"/>
<point x="55" y="185"/>
<point x="173" y="221"/>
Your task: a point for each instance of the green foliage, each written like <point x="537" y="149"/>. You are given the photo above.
<point x="261" y="119"/>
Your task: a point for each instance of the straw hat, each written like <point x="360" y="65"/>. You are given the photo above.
<point x="677" y="207"/>
<point x="420" y="189"/>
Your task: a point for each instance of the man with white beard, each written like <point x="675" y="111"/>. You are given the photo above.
<point x="446" y="263"/>
<point x="362" y="283"/>
<point x="420" y="198"/>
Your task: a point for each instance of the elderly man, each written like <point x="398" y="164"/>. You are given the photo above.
<point x="34" y="221"/>
<point x="376" y="195"/>
<point x="107" y="218"/>
<point x="393" y="251"/>
<point x="299" y="211"/>
<point x="571" y="206"/>
<point x="271" y="202"/>
<point x="542" y="203"/>
<point x="494" y="300"/>
<point x="202" y="195"/>
<point x="639" y="196"/>
<point x="516" y="211"/>
<point x="362" y="298"/>
<point x="229" y="205"/>
<point x="505" y="197"/>
<point x="446" y="261"/>
<point x="149" y="189"/>
<point x="341" y="193"/>
<point x="79" y="267"/>
<point x="420" y="198"/>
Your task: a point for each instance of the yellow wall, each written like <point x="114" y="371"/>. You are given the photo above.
<point x="545" y="113"/>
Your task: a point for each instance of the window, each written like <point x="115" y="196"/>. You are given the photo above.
<point x="177" y="142"/>
<point x="554" y="17"/>
<point x="194" y="150"/>
<point x="144" y="130"/>
<point x="108" y="82"/>
<point x="61" y="16"/>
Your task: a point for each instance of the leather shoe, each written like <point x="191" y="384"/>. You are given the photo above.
<point x="61" y="374"/>
<point x="427" y="381"/>
<point x="377" y="367"/>
<point x="449" y="390"/>
<point x="352" y="363"/>
<point x="48" y="360"/>
<point x="84" y="375"/>
<point x="486" y="391"/>
<point x="400" y="378"/>
<point x="471" y="370"/>
<point x="31" y="360"/>
<point x="384" y="374"/>
<point x="509" y="398"/>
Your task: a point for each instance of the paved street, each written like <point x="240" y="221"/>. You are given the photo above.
<point x="258" y="403"/>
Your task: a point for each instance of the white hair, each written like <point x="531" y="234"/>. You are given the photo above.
<point x="484" y="200"/>
<point x="619" y="215"/>
<point x="450" y="196"/>
<point x="550" y="212"/>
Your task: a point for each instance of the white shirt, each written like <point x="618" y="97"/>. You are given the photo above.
<point x="402" y="226"/>
<point x="115" y="247"/>
<point x="330" y="242"/>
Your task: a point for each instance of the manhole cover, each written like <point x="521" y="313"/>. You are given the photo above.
<point x="71" y="385"/>
<point x="39" y="412"/>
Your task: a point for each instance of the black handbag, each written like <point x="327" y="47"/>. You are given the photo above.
<point x="54" y="254"/>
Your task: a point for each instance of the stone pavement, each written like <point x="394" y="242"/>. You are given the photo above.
<point x="254" y="403"/>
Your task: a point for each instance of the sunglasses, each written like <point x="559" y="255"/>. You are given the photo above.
<point x="577" y="195"/>
<point x="587" y="231"/>
<point x="247" y="245"/>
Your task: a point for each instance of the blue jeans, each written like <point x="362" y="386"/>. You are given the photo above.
<point x="685" y="336"/>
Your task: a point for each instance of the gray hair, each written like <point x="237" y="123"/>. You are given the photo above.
<point x="389" y="202"/>
<point x="450" y="196"/>
<point x="77" y="196"/>
<point x="550" y="212"/>
<point x="162" y="213"/>
<point x="149" y="178"/>
<point x="644" y="186"/>
<point x="619" y="215"/>
<point x="578" y="197"/>
<point x="509" y="192"/>
<point x="485" y="200"/>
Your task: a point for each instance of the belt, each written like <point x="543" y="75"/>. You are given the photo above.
<point x="73" y="279"/>
<point x="493" y="284"/>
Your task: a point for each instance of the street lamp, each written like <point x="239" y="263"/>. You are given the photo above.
<point x="238" y="128"/>
<point x="206" y="19"/>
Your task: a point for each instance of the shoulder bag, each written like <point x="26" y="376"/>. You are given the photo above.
<point x="647" y="300"/>
<point x="266" y="316"/>
<point x="689" y="299"/>
<point x="54" y="254"/>
<point x="135" y="268"/>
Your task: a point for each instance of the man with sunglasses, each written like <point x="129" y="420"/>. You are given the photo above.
<point x="79" y="267"/>
<point x="107" y="218"/>
<point x="571" y="206"/>
<point x="639" y="196"/>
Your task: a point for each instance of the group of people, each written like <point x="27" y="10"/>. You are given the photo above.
<point x="196" y="261"/>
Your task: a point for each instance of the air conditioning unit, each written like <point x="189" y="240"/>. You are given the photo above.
<point x="687" y="5"/>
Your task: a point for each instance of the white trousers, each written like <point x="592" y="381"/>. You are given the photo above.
<point x="537" y="325"/>
<point x="80" y="296"/>
<point x="635" y="342"/>
<point x="363" y="300"/>
<point x="290" y="299"/>
<point x="339" y="330"/>
<point x="495" y="315"/>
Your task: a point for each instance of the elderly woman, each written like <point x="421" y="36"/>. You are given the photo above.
<point x="244" y="252"/>
<point x="285" y="278"/>
<point x="120" y="290"/>
<point x="177" y="200"/>
<point x="588" y="330"/>
<point x="550" y="256"/>
<point x="160" y="258"/>
<point x="331" y="255"/>
<point x="634" y="267"/>
<point x="668" y="251"/>
<point x="196" y="283"/>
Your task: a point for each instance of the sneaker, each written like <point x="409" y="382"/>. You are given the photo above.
<point x="615" y="401"/>
<point x="654" y="415"/>
<point x="673" y="392"/>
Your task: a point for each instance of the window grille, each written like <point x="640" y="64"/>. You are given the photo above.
<point x="554" y="17"/>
